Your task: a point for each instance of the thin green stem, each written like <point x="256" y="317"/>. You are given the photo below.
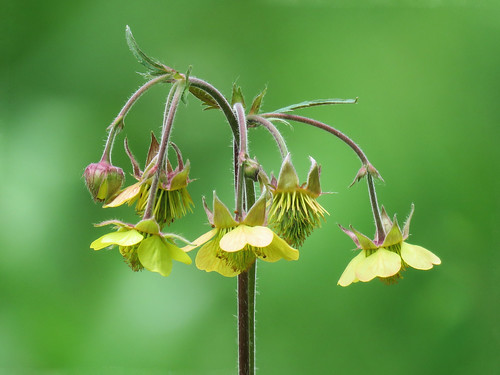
<point x="280" y="141"/>
<point x="168" y="120"/>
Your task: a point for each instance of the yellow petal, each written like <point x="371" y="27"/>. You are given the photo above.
<point x="207" y="260"/>
<point x="155" y="256"/>
<point x="242" y="235"/>
<point x="123" y="238"/>
<point x="349" y="274"/>
<point x="200" y="240"/>
<point x="276" y="250"/>
<point x="418" y="257"/>
<point x="126" y="195"/>
<point x="382" y="263"/>
<point x="177" y="253"/>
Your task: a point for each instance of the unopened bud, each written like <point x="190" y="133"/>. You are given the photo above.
<point x="251" y="169"/>
<point x="103" y="180"/>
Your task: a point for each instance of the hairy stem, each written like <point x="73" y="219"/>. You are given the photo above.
<point x="243" y="325"/>
<point x="136" y="95"/>
<point x="280" y="141"/>
<point x="355" y="148"/>
<point x="246" y="292"/>
<point x="221" y="101"/>
<point x="228" y="113"/>
<point x="325" y="127"/>
<point x="252" y="281"/>
<point x="168" y="120"/>
<point x="246" y="305"/>
<point x="115" y="127"/>
<point x="113" y="131"/>
<point x="243" y="145"/>
<point x="380" y="233"/>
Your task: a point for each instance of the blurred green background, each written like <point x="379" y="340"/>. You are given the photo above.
<point x="427" y="74"/>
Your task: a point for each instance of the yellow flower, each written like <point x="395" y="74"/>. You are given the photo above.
<point x="294" y="211"/>
<point x="231" y="247"/>
<point x="172" y="198"/>
<point x="387" y="257"/>
<point x="143" y="246"/>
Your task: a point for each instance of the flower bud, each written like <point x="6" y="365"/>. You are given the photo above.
<point x="251" y="169"/>
<point x="103" y="180"/>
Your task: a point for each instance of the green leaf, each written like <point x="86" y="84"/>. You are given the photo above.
<point x="257" y="102"/>
<point x="205" y="98"/>
<point x="186" y="86"/>
<point x="313" y="103"/>
<point x="237" y="96"/>
<point x="154" y="67"/>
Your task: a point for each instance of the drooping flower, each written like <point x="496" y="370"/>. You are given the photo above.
<point x="385" y="258"/>
<point x="172" y="198"/>
<point x="231" y="247"/>
<point x="103" y="180"/>
<point x="294" y="211"/>
<point x="143" y="246"/>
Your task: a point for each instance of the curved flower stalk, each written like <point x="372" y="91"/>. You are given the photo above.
<point x="294" y="211"/>
<point x="172" y="200"/>
<point x="387" y="257"/>
<point x="143" y="246"/>
<point x="231" y="247"/>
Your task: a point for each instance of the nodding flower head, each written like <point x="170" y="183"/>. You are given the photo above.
<point x="231" y="247"/>
<point x="386" y="257"/>
<point x="143" y="246"/>
<point x="103" y="180"/>
<point x="172" y="198"/>
<point x="295" y="211"/>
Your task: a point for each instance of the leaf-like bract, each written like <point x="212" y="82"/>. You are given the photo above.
<point x="313" y="103"/>
<point x="257" y="102"/>
<point x="205" y="98"/>
<point x="154" y="67"/>
<point x="237" y="96"/>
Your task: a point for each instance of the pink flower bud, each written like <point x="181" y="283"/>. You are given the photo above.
<point x="103" y="180"/>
